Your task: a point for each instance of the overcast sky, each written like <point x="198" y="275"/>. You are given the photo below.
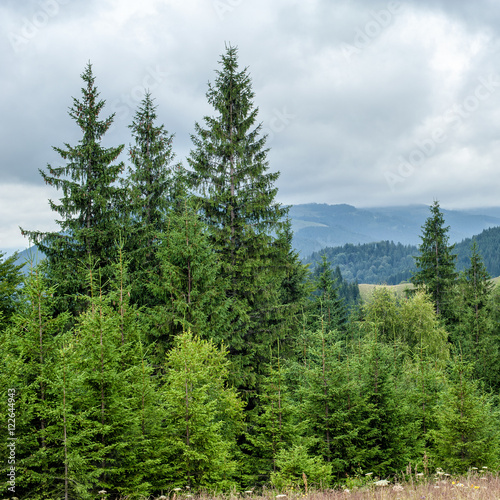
<point x="365" y="102"/>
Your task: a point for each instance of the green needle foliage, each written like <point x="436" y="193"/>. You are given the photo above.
<point x="467" y="435"/>
<point x="88" y="222"/>
<point x="187" y="285"/>
<point x="327" y="307"/>
<point x="10" y="279"/>
<point x="117" y="413"/>
<point x="31" y="345"/>
<point x="272" y="425"/>
<point x="202" y="414"/>
<point x="436" y="263"/>
<point x="474" y="332"/>
<point x="236" y="196"/>
<point x="155" y="186"/>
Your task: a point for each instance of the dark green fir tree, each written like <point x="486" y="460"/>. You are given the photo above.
<point x="327" y="308"/>
<point x="436" y="272"/>
<point x="475" y="332"/>
<point x="467" y="434"/>
<point x="10" y="279"/>
<point x="88" y="220"/>
<point x="187" y="288"/>
<point x="155" y="186"/>
<point x="237" y="201"/>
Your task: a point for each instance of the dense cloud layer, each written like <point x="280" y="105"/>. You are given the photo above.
<point x="368" y="103"/>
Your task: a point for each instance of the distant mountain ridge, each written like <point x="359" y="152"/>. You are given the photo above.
<point x="317" y="226"/>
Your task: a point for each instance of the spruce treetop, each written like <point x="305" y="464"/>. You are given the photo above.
<point x="87" y="180"/>
<point x="89" y="208"/>
<point x="436" y="262"/>
<point x="229" y="160"/>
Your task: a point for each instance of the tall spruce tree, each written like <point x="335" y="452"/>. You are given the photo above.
<point x="327" y="307"/>
<point x="467" y="434"/>
<point x="89" y="223"/>
<point x="155" y="185"/>
<point x="237" y="199"/>
<point x="202" y="416"/>
<point x="436" y="263"/>
<point x="10" y="279"/>
<point x="186" y="288"/>
<point x="475" y="331"/>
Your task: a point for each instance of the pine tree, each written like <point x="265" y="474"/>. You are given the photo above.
<point x="88" y="222"/>
<point x="237" y="201"/>
<point x="383" y="440"/>
<point x="29" y="347"/>
<point x="155" y="186"/>
<point x="323" y="397"/>
<point x="272" y="426"/>
<point x="327" y="307"/>
<point x="117" y="407"/>
<point x="474" y="332"/>
<point x="10" y="279"/>
<point x="202" y="416"/>
<point x="436" y="263"/>
<point x="467" y="435"/>
<point x="187" y="288"/>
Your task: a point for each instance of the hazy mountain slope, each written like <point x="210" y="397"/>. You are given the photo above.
<point x="317" y="226"/>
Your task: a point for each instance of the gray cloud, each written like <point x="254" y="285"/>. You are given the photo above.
<point x="347" y="91"/>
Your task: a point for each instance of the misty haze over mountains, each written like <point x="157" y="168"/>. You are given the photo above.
<point x="317" y="226"/>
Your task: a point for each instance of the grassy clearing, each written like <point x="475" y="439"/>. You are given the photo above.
<point x="473" y="486"/>
<point x="366" y="290"/>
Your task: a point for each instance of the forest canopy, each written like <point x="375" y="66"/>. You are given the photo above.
<point x="172" y="337"/>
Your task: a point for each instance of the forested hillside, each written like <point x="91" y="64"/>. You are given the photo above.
<point x="392" y="263"/>
<point x="317" y="226"/>
<point x="173" y="340"/>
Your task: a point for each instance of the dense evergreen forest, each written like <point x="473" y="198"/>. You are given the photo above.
<point x="172" y="338"/>
<point x="386" y="262"/>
